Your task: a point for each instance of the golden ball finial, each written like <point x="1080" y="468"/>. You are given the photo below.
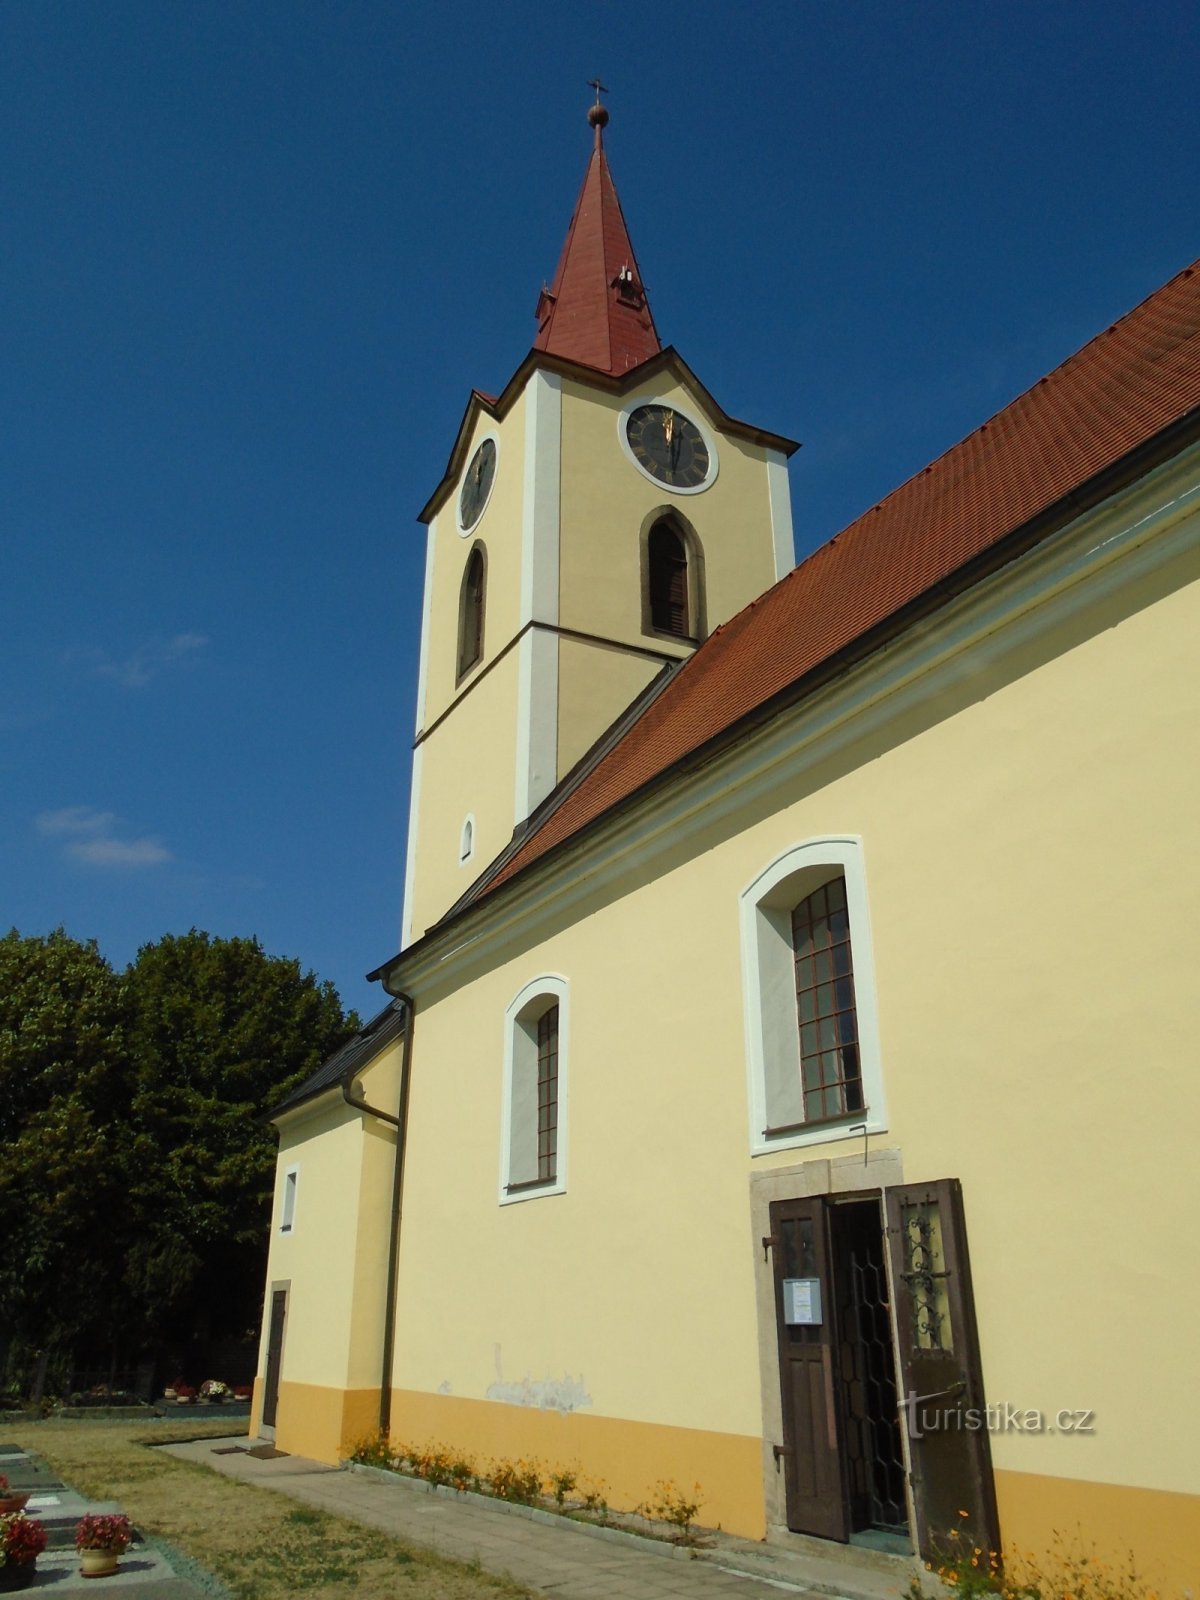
<point x="597" y="114"/>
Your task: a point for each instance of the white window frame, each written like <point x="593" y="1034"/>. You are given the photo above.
<point x="466" y="840"/>
<point x="769" y="990"/>
<point x="287" y="1200"/>
<point x="520" y="1054"/>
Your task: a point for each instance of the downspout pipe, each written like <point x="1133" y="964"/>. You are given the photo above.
<point x="400" y="1123"/>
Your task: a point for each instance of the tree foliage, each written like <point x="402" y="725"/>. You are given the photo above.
<point x="136" y="1166"/>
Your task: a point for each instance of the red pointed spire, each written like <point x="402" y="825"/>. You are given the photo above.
<point x="596" y="312"/>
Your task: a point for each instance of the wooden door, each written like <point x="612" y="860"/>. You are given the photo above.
<point x="941" y="1381"/>
<point x="816" y="1494"/>
<point x="274" y="1356"/>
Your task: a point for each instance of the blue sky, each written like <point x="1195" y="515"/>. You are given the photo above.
<point x="253" y="258"/>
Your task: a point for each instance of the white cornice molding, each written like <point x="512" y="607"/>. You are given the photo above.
<point x="779" y="497"/>
<point x="537" y="665"/>
<point x="1127" y="537"/>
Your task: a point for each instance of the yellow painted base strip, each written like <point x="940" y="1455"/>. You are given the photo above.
<point x="323" y="1424"/>
<point x="627" y="1458"/>
<point x="1160" y="1529"/>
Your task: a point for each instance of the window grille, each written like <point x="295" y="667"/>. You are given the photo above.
<point x="829" y="1058"/>
<point x="547" y="1095"/>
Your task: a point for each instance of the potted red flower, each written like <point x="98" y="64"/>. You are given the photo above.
<point x="11" y="1499"/>
<point x="22" y="1540"/>
<point x="184" y="1394"/>
<point x="100" y="1540"/>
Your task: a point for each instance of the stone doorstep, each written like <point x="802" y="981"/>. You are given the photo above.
<point x="875" y="1577"/>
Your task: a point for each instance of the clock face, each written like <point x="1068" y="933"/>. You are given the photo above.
<point x="477" y="485"/>
<point x="669" y="446"/>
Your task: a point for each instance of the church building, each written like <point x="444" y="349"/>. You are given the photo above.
<point x="762" y="1094"/>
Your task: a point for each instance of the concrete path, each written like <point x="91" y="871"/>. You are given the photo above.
<point x="561" y="1559"/>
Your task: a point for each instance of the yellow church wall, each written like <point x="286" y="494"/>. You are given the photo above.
<point x="1031" y="825"/>
<point x="499" y="530"/>
<point x="468" y="768"/>
<point x="605" y="500"/>
<point x="595" y="686"/>
<point x="313" y="1260"/>
<point x="333" y="1263"/>
<point x="322" y="1423"/>
<point x="1165" y="1527"/>
<point x="611" y="1452"/>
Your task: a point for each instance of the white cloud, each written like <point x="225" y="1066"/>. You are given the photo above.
<point x="146" y="662"/>
<point x="119" y="852"/>
<point x="91" y="836"/>
<point x="75" y="819"/>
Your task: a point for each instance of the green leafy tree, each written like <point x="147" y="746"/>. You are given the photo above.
<point x="63" y="1118"/>
<point x="219" y="1032"/>
<point x="135" y="1165"/>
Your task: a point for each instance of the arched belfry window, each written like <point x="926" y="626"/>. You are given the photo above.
<point x="470" y="611"/>
<point x="672" y="579"/>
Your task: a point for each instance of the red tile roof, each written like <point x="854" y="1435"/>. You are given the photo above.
<point x="1111" y="397"/>
<point x="596" y="312"/>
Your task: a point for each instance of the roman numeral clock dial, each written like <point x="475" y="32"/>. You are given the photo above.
<point x="477" y="485"/>
<point x="669" y="446"/>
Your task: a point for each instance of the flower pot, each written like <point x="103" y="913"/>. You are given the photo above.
<point x="13" y="1502"/>
<point x="16" y="1575"/>
<point x="97" y="1563"/>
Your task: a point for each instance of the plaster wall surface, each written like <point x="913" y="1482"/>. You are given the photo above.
<point x="499" y="530"/>
<point x="594" y="687"/>
<point x="468" y="767"/>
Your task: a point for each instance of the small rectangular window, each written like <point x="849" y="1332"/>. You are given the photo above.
<point x="288" y="1214"/>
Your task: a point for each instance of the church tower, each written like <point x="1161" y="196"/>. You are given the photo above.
<point x="595" y="522"/>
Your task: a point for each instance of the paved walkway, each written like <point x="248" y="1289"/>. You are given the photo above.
<point x="550" y="1554"/>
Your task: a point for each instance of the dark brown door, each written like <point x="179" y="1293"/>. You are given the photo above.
<point x="941" y="1381"/>
<point x="274" y="1356"/>
<point x="812" y="1457"/>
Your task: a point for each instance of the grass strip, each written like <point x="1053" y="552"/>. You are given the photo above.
<point x="256" y="1542"/>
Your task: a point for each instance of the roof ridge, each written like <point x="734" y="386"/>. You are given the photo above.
<point x="1058" y="372"/>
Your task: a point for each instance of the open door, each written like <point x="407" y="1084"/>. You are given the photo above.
<point x="811" y="1451"/>
<point x="941" y="1381"/>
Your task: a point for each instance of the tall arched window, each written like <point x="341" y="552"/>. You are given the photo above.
<point x="672" y="577"/>
<point x="667" y="572"/>
<point x="533" y="1138"/>
<point x="812" y="1030"/>
<point x="470" y="611"/>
